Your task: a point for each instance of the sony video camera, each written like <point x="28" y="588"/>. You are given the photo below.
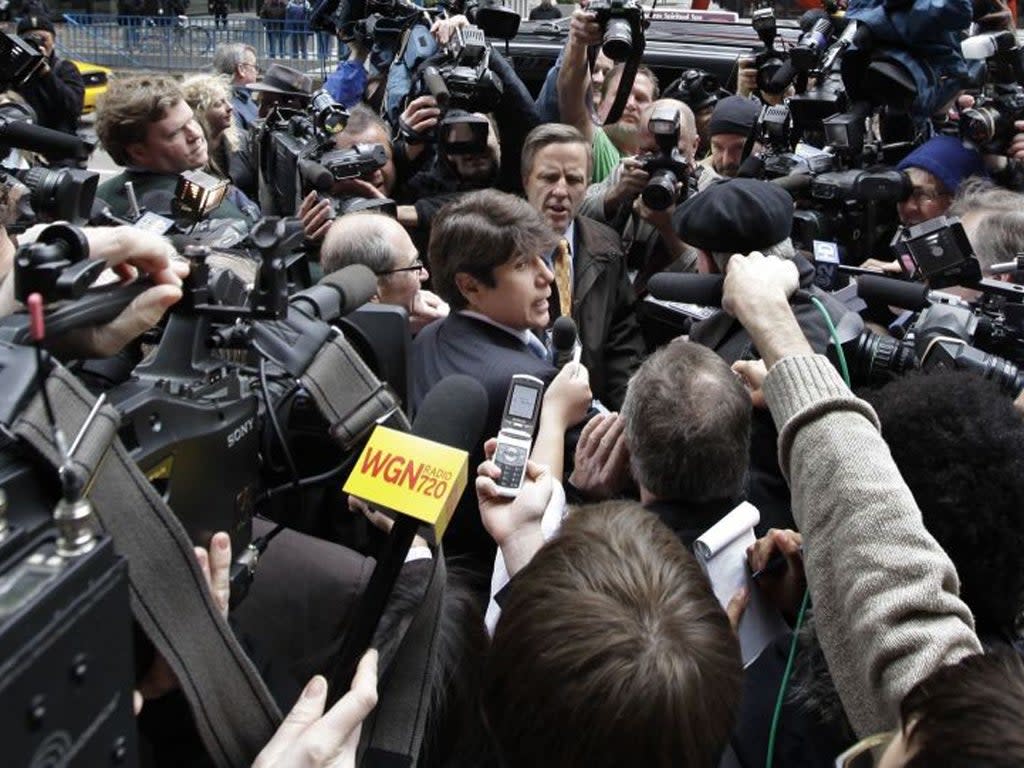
<point x="669" y="170"/>
<point x="622" y="24"/>
<point x="988" y="125"/>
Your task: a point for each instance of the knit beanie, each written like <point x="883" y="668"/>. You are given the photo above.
<point x="946" y="158"/>
<point x="734" y="114"/>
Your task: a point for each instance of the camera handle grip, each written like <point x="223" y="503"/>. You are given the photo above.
<point x="95" y="308"/>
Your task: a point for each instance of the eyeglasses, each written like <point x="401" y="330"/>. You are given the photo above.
<point x="416" y="266"/>
<point x="924" y="195"/>
<point x="866" y="753"/>
<point x="256" y="67"/>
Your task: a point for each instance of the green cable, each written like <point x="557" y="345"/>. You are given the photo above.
<point x="777" y="714"/>
<point x="835" y="339"/>
<point x="785" y="678"/>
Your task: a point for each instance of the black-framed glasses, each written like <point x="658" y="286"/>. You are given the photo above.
<point x="416" y="266"/>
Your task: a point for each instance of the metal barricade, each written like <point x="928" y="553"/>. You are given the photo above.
<point x="187" y="43"/>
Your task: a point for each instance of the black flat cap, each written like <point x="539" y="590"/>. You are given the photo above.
<point x="30" y="23"/>
<point x="735" y="216"/>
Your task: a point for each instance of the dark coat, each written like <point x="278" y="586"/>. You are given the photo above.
<point x="604" y="311"/>
<point x="460" y="344"/>
<point x="56" y="96"/>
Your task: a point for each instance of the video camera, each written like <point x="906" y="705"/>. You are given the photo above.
<point x="462" y="77"/>
<point x="669" y="171"/>
<point x="23" y="58"/>
<point x="988" y="125"/>
<point x="290" y="144"/>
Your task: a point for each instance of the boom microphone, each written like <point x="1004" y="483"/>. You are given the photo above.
<point x="687" y="288"/>
<point x="897" y="293"/>
<point x="35" y="138"/>
<point x="338" y="293"/>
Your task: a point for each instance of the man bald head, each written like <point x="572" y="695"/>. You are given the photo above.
<point x="688" y="138"/>
<point x="382" y="244"/>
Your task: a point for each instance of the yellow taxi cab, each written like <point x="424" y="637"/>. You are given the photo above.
<point x="96" y="79"/>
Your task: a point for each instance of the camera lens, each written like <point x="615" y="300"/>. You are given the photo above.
<point x="660" y="191"/>
<point x="875" y="359"/>
<point x="766" y="73"/>
<point x="618" y="40"/>
<point x="978" y="125"/>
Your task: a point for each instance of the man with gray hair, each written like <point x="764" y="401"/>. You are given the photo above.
<point x="382" y="244"/>
<point x="238" y="62"/>
<point x="993" y="219"/>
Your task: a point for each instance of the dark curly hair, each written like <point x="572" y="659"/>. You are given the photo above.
<point x="959" y="444"/>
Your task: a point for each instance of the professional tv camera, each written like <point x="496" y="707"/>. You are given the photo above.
<point x="461" y="78"/>
<point x="988" y="125"/>
<point x="669" y="170"/>
<point x="290" y="144"/>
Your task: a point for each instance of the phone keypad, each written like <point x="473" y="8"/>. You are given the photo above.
<point x="511" y="460"/>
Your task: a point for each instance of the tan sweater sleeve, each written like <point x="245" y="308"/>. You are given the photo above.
<point x="885" y="594"/>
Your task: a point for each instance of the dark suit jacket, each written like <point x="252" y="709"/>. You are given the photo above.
<point x="460" y="344"/>
<point x="604" y="309"/>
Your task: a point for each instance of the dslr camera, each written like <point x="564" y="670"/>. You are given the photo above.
<point x="622" y="23"/>
<point x="464" y="79"/>
<point x="988" y="125"/>
<point x="768" y="60"/>
<point x="668" y="169"/>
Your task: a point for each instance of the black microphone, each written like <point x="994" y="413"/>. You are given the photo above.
<point x="454" y="413"/>
<point x="783" y="77"/>
<point x="45" y="141"/>
<point x="688" y="288"/>
<point x="565" y="341"/>
<point x="338" y="293"/>
<point x="897" y="293"/>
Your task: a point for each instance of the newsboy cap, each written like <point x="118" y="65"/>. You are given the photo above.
<point x="735" y="216"/>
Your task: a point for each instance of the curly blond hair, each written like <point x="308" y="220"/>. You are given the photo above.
<point x="201" y="93"/>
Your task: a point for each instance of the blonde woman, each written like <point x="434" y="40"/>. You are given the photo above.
<point x="210" y="99"/>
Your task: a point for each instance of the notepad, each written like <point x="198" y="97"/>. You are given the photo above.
<point x="722" y="553"/>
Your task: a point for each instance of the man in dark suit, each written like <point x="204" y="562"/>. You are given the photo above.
<point x="485" y="257"/>
<point x="587" y="264"/>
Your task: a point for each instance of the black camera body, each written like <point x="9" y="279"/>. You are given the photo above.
<point x="354" y="162"/>
<point x="768" y="60"/>
<point x="669" y="171"/>
<point x="21" y="60"/>
<point x="622" y="24"/>
<point x="462" y="78"/>
<point x="988" y="125"/>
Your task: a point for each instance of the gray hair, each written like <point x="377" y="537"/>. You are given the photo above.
<point x="783" y="249"/>
<point x="371" y="248"/>
<point x="977" y="194"/>
<point x="228" y="57"/>
<point x="686" y="421"/>
<point x="998" y="237"/>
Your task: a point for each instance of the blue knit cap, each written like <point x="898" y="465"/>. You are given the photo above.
<point x="947" y="159"/>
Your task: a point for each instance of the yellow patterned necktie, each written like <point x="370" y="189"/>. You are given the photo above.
<point x="563" y="278"/>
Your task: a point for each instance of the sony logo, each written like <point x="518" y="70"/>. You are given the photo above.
<point x="240" y="431"/>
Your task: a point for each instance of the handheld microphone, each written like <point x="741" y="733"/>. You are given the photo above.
<point x="420" y="477"/>
<point x="338" y="293"/>
<point x="565" y="341"/>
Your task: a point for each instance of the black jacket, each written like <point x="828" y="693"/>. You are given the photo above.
<point x="56" y="96"/>
<point x="603" y="306"/>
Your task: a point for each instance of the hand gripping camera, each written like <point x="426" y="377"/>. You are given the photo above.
<point x="988" y="125"/>
<point x="668" y="169"/>
<point x="622" y="24"/>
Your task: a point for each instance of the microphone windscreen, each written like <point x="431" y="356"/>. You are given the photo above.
<point x="318" y="177"/>
<point x="454" y="413"/>
<point x="705" y="290"/>
<point x="355" y="283"/>
<point x="563" y="334"/>
<point x="46" y="141"/>
<point x="898" y="293"/>
<point x="783" y="77"/>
